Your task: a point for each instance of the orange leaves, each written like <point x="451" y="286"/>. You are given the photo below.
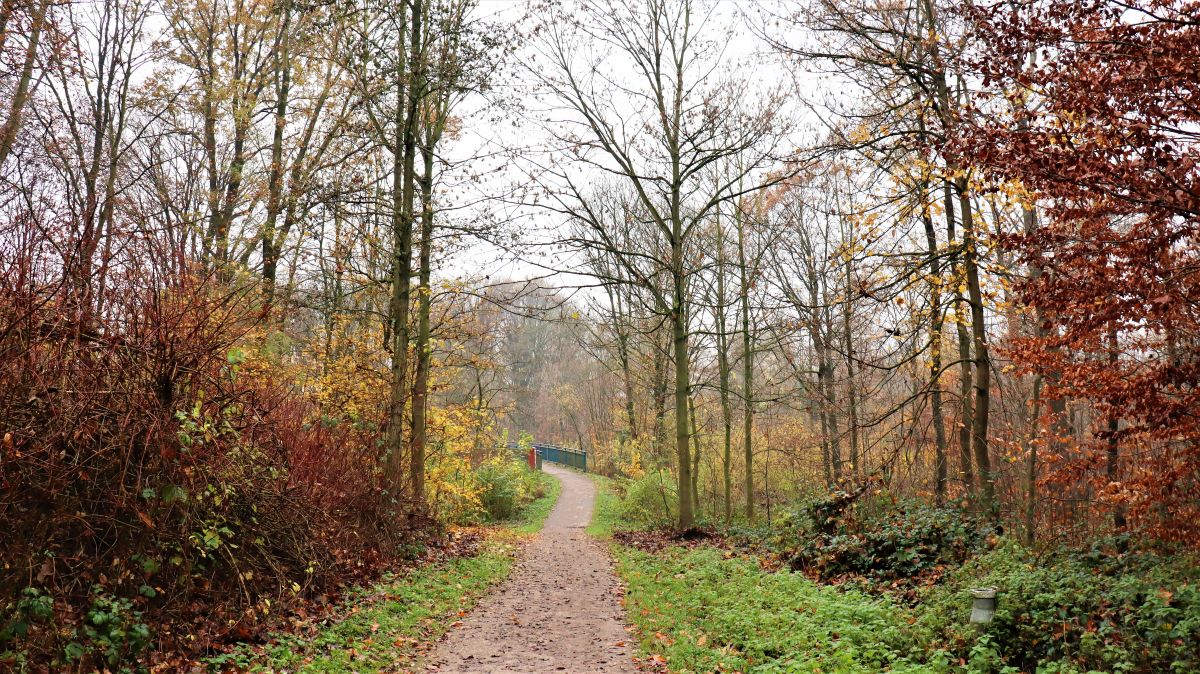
<point x="145" y="519"/>
<point x="1117" y="238"/>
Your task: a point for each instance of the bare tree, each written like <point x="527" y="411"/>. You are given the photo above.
<point x="678" y="118"/>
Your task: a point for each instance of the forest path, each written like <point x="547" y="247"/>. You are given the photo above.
<point x="557" y="612"/>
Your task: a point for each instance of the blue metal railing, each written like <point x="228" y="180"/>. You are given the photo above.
<point x="575" y="458"/>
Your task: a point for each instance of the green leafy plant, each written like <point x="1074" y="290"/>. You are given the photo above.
<point x="112" y="633"/>
<point x="1072" y="611"/>
<point x="505" y="487"/>
<point x="701" y="611"/>
<point x="843" y="534"/>
<point x="649" y="500"/>
<point x="34" y="606"/>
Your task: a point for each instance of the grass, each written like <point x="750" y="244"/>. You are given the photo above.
<point x="389" y="626"/>
<point x="606" y="516"/>
<point x="704" y="610"/>
<point x="699" y="611"/>
<point x="1063" y="611"/>
<point x="534" y="515"/>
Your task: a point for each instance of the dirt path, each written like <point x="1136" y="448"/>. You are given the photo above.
<point x="559" y="610"/>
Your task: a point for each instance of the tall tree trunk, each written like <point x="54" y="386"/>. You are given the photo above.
<point x="1112" y="464"/>
<point x="679" y="338"/>
<point x="403" y="181"/>
<point x="283" y="75"/>
<point x="630" y="393"/>
<point x="695" y="457"/>
<point x="817" y="415"/>
<point x="621" y="329"/>
<point x="423" y="347"/>
<point x="937" y="314"/>
<point x="662" y="357"/>
<point x="935" y="352"/>
<point x="1029" y="222"/>
<point x="723" y="375"/>
<point x="1031" y="463"/>
<point x="828" y="401"/>
<point x="222" y="219"/>
<point x="20" y="98"/>
<point x="477" y="448"/>
<point x="209" y="111"/>
<point x="966" y="473"/>
<point x="944" y="108"/>
<point x="747" y="370"/>
<point x="851" y="394"/>
<point x="983" y="369"/>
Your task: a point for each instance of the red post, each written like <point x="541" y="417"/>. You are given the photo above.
<point x="532" y="459"/>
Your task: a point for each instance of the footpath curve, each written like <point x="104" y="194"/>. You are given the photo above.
<point x="557" y="612"/>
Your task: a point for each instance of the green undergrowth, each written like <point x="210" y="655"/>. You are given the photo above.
<point x="534" y="515"/>
<point x="895" y="596"/>
<point x="700" y="611"/>
<point x="388" y="626"/>
<point x="705" y="609"/>
<point x="1069" y="611"/>
<point x="383" y="628"/>
<point x="503" y="490"/>
<point x="606" y="514"/>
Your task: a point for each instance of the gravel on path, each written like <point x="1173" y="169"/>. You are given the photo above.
<point x="559" y="611"/>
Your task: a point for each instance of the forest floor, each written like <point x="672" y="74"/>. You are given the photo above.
<point x="393" y="625"/>
<point x="515" y="600"/>
<point x="536" y="595"/>
<point x="558" y="611"/>
<point x="729" y="599"/>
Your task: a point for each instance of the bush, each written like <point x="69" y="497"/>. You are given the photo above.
<point x="650" y="500"/>
<point x="1072" y="611"/>
<point x="158" y="452"/>
<point x="882" y="537"/>
<point x="112" y="632"/>
<point x="505" y="487"/>
<point x="34" y="606"/>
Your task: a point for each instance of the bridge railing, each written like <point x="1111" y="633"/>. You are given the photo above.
<point x="575" y="458"/>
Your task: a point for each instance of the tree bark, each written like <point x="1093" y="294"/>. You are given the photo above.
<point x="620" y="321"/>
<point x="1112" y="455"/>
<point x="851" y="394"/>
<point x="679" y="339"/>
<point x="403" y="188"/>
<point x="747" y="371"/>
<point x="965" y="422"/>
<point x="283" y="74"/>
<point x="983" y="369"/>
<point x="935" y="353"/>
<point x="723" y="375"/>
<point x="423" y="347"/>
<point x="695" y="458"/>
<point x="20" y="98"/>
